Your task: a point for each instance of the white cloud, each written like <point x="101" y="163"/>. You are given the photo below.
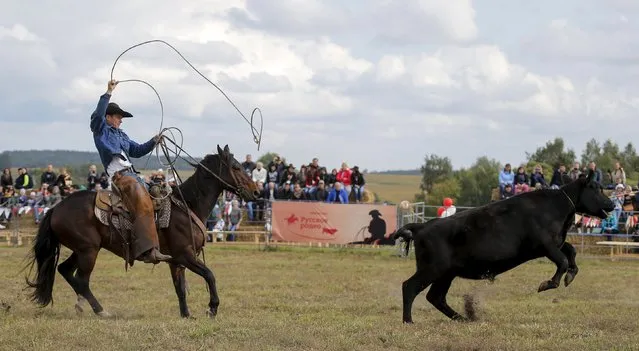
<point x="377" y="83"/>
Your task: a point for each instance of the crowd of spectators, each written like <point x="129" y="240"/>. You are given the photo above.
<point x="279" y="181"/>
<point x="515" y="182"/>
<point x="622" y="194"/>
<point x="25" y="195"/>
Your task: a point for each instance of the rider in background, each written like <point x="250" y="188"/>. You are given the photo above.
<point x="115" y="150"/>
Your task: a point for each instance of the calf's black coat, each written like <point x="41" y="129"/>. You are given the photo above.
<point x="483" y="242"/>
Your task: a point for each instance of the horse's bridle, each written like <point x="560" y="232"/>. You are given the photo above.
<point x="238" y="189"/>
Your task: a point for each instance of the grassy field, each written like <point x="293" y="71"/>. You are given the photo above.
<point x="323" y="299"/>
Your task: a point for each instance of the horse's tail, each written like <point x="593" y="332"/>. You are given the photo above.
<point x="45" y="252"/>
<point x="406" y="233"/>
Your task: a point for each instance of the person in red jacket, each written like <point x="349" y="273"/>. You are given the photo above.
<point x="344" y="177"/>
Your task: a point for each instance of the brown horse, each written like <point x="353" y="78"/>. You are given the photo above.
<point x="74" y="224"/>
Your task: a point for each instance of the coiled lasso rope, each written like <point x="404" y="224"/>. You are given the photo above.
<point x="257" y="136"/>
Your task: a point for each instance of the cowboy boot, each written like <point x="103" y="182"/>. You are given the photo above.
<point x="144" y="238"/>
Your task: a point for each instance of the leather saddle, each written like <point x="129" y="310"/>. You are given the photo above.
<point x="109" y="205"/>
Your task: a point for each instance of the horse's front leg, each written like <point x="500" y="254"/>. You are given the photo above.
<point x="179" y="282"/>
<point x="198" y="267"/>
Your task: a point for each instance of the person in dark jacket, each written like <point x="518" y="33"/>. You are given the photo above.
<point x="24" y="180"/>
<point x="48" y="177"/>
<point x="358" y="182"/>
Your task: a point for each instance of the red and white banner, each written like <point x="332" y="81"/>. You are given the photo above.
<point x="295" y="221"/>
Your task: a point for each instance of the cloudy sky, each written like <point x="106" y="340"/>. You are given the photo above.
<point x="376" y="83"/>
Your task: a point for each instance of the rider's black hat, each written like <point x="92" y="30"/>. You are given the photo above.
<point x="114" y="109"/>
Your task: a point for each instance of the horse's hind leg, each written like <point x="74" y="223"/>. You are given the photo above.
<point x="67" y="270"/>
<point x="572" y="271"/>
<point x="179" y="281"/>
<point x="86" y="263"/>
<point x="198" y="267"/>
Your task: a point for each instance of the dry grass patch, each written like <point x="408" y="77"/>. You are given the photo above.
<point x="323" y="299"/>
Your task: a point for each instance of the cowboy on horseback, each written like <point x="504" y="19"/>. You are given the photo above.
<point x="115" y="150"/>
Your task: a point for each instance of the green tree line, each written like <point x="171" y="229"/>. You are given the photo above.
<point x="70" y="158"/>
<point x="473" y="186"/>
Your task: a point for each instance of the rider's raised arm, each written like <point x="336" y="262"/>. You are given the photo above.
<point x="138" y="150"/>
<point x="98" y="120"/>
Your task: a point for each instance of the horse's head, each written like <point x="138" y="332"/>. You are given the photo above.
<point x="225" y="168"/>
<point x="591" y="200"/>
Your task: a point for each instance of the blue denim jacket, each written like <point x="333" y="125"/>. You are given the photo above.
<point x="111" y="141"/>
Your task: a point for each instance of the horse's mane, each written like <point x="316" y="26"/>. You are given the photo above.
<point x="195" y="186"/>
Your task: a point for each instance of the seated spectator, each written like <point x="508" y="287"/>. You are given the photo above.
<point x="320" y="194"/>
<point x="323" y="175"/>
<point x="298" y="194"/>
<point x="64" y="182"/>
<point x="285" y="193"/>
<point x="273" y="175"/>
<point x="56" y="196"/>
<point x="158" y="177"/>
<point x="92" y="177"/>
<point x="257" y="205"/>
<point x="311" y="179"/>
<point x="506" y="176"/>
<point x="537" y="179"/>
<point x="289" y="175"/>
<point x="270" y="193"/>
<point x="337" y="194"/>
<point x="521" y="181"/>
<point x="557" y="177"/>
<point x="301" y="176"/>
<point x="24" y="180"/>
<point x="508" y="192"/>
<point x="332" y="178"/>
<point x="6" y="180"/>
<point x="259" y="173"/>
<point x="104" y="180"/>
<point x="358" y="182"/>
<point x="344" y="176"/>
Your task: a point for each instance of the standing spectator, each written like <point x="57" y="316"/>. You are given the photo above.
<point x="506" y="176"/>
<point x="92" y="177"/>
<point x="598" y="175"/>
<point x="48" y="176"/>
<point x="508" y="192"/>
<point x="235" y="218"/>
<point x="249" y="165"/>
<point x="24" y="180"/>
<point x="259" y="173"/>
<point x="323" y="175"/>
<point x="6" y="180"/>
<point x="521" y="181"/>
<point x="619" y="173"/>
<point x="344" y="177"/>
<point x="357" y="181"/>
<point x="301" y="176"/>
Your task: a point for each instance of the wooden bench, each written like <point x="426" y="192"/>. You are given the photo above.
<point x="620" y="245"/>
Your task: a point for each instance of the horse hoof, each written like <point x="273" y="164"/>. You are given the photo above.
<point x="548" y="284"/>
<point x="78" y="309"/>
<point x="460" y="318"/>
<point x="211" y="314"/>
<point x="409" y="321"/>
<point x="568" y="279"/>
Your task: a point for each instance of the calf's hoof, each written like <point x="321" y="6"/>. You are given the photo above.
<point x="570" y="276"/>
<point x="548" y="284"/>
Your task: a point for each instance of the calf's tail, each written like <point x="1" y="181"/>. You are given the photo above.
<point x="406" y="233"/>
